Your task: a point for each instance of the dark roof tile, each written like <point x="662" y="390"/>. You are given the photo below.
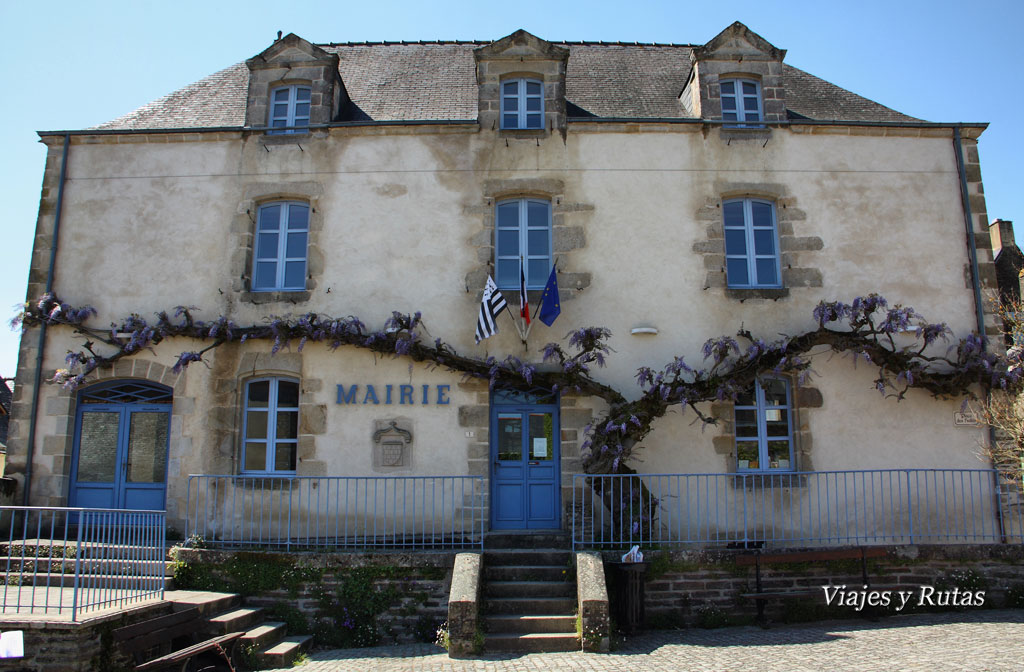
<point x="419" y="81"/>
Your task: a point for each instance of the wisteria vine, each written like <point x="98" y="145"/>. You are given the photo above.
<point x="867" y="329"/>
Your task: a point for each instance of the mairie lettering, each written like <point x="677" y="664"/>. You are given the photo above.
<point x="394" y="395"/>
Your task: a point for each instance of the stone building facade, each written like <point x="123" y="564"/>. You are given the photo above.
<point x="682" y="192"/>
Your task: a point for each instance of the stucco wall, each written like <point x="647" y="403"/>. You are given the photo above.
<point x="404" y="213"/>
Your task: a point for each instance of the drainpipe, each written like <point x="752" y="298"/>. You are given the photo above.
<point x="978" y="306"/>
<point x="32" y="421"/>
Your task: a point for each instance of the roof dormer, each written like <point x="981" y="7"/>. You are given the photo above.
<point x="521" y="85"/>
<point x="749" y="67"/>
<point x="293" y="84"/>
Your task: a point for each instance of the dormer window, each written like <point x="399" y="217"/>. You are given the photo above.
<point x="741" y="101"/>
<point x="289" y="108"/>
<point x="522" y="104"/>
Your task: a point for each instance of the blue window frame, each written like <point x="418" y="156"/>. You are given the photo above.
<point x="522" y="230"/>
<point x="279" y="258"/>
<point x="764" y="427"/>
<point x="751" y="244"/>
<point x="741" y="101"/>
<point x="270" y="426"/>
<point x="522" y="104"/>
<point x="289" y="109"/>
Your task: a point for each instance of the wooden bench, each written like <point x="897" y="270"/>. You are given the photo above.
<point x="759" y="559"/>
<point x="173" y="639"/>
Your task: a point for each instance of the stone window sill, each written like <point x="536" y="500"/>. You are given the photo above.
<point x="523" y="132"/>
<point x="757" y="293"/>
<point x="276" y="297"/>
<point x="258" y="481"/>
<point x="756" y="480"/>
<point x="733" y="133"/>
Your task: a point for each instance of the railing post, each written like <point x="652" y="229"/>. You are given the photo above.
<point x="78" y="567"/>
<point x="910" y="508"/>
<point x="575" y="480"/>
<point x="288" y="528"/>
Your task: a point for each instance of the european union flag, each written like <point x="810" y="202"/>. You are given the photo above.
<point x="550" y="308"/>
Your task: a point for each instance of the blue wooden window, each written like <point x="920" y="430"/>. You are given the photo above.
<point x="741" y="101"/>
<point x="270" y="426"/>
<point x="522" y="230"/>
<point x="751" y="244"/>
<point x="279" y="258"/>
<point x="289" y="109"/>
<point x="764" y="427"/>
<point x="522" y="103"/>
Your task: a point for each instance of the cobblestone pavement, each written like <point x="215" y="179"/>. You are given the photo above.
<point x="979" y="640"/>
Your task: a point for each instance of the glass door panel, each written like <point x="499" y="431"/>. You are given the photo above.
<point x="510" y="436"/>
<point x="97" y="451"/>
<point x="147" y="447"/>
<point x="542" y="441"/>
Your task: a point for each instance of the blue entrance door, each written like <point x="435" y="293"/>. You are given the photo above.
<point x="525" y="490"/>
<point x="120" y="455"/>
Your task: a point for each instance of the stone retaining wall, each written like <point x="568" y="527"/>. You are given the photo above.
<point x="86" y="646"/>
<point x="342" y="599"/>
<point x="704" y="588"/>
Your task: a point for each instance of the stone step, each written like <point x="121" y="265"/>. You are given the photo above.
<point x="527" y="540"/>
<point x="209" y="603"/>
<point x="264" y="635"/>
<point x="236" y="620"/>
<point x="526" y="573"/>
<point x="284" y="653"/>
<point x="534" y="642"/>
<point x="540" y="556"/>
<point x="530" y="624"/>
<point x="529" y="589"/>
<point x="531" y="606"/>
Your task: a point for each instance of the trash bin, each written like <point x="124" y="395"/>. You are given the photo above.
<point x="628" y="594"/>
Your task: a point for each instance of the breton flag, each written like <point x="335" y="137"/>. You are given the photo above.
<point x="524" y="301"/>
<point x="550" y="308"/>
<point x="491" y="306"/>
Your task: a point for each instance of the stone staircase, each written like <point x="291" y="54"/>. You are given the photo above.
<point x="265" y="644"/>
<point x="529" y="593"/>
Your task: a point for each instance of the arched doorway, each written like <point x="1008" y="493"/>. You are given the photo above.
<point x="122" y="431"/>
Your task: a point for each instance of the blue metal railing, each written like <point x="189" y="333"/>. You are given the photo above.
<point x="337" y="512"/>
<point x="63" y="560"/>
<point x="880" y="506"/>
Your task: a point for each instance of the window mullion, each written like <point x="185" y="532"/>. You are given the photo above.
<point x="292" y="97"/>
<point x="271" y="426"/>
<point x="524" y="234"/>
<point x="762" y="425"/>
<point x="521" y="98"/>
<point x="282" y="241"/>
<point x="748" y="232"/>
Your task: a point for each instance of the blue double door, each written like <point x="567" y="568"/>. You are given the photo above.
<point x="526" y="465"/>
<point x="120" y="452"/>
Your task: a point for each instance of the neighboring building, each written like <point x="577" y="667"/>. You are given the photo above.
<point x="1009" y="260"/>
<point x="685" y="191"/>
<point x="5" y="410"/>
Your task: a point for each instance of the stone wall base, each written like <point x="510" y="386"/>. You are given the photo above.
<point x="704" y="588"/>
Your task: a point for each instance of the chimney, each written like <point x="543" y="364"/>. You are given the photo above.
<point x="1001" y="232"/>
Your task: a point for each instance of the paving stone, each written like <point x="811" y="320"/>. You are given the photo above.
<point x="973" y="640"/>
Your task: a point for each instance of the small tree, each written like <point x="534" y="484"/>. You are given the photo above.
<point x="1003" y="410"/>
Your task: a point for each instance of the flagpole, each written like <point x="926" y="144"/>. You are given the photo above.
<point x="539" y="302"/>
<point x="515" y="323"/>
<point x="524" y="300"/>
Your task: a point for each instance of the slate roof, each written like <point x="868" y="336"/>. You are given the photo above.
<point x="422" y="81"/>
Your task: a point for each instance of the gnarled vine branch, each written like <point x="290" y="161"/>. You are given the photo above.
<point x="867" y="329"/>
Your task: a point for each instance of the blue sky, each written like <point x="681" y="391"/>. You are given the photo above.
<point x="79" y="63"/>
